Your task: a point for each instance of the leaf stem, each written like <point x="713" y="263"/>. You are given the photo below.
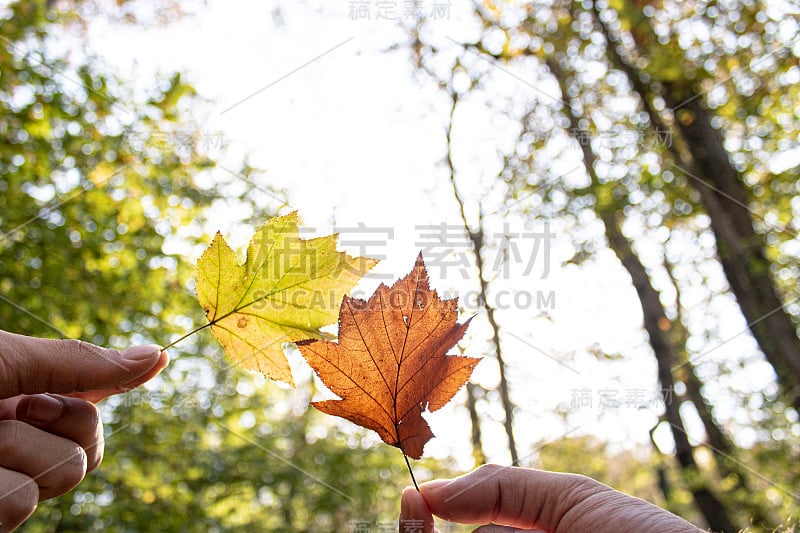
<point x="411" y="472"/>
<point x="195" y="330"/>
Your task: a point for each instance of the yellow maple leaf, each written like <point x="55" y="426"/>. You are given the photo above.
<point x="285" y="291"/>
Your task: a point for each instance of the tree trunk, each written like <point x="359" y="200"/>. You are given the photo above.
<point x="740" y="249"/>
<point x="710" y="506"/>
<point x="505" y="397"/>
<point x="661" y="470"/>
<point x="475" y="425"/>
<point x="476" y="237"/>
<point x="721" y="445"/>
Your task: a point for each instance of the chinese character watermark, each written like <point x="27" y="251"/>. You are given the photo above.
<point x="650" y="139"/>
<point x="411" y="525"/>
<point x="181" y="143"/>
<point x="448" y="249"/>
<point x="627" y="398"/>
<point x="509" y="250"/>
<point x="394" y="10"/>
<point x="445" y="246"/>
<point x="368" y="240"/>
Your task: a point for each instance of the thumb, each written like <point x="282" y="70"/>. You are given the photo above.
<point x="527" y="499"/>
<point x="29" y="365"/>
<point x="501" y="495"/>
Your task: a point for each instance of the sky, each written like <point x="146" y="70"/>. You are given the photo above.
<point x="335" y="117"/>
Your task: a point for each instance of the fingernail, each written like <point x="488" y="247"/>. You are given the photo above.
<point x="434" y="485"/>
<point x="140" y="353"/>
<point x="43" y="408"/>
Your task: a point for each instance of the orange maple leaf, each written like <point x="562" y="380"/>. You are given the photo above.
<point x="390" y="363"/>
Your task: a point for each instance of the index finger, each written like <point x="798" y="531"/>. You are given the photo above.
<point x="95" y="396"/>
<point x="414" y="514"/>
<point x="30" y="365"/>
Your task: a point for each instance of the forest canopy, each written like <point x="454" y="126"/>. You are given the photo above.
<point x="655" y="143"/>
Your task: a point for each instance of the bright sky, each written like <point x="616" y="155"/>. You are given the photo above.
<point x="314" y="98"/>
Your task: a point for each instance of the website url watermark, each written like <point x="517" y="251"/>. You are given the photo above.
<point x="470" y="300"/>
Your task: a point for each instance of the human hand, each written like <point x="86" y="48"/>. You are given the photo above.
<point x="520" y="499"/>
<point x="48" y="442"/>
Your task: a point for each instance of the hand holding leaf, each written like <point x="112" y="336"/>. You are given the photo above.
<point x="390" y="363"/>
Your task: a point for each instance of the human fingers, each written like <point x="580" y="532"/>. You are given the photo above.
<point x="30" y="365"/>
<point x="96" y="396"/>
<point x="71" y="418"/>
<point x="554" y="502"/>
<point x="19" y="496"/>
<point x="493" y="528"/>
<point x="56" y="464"/>
<point x="414" y="514"/>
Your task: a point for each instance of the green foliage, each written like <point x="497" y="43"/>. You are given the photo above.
<point x="85" y="214"/>
<point x="211" y="448"/>
<point x="99" y="210"/>
<point x="594" y="68"/>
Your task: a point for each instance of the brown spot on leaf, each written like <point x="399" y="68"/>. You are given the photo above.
<point x="242" y="323"/>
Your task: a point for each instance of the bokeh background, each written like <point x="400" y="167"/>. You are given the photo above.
<point x="611" y="188"/>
